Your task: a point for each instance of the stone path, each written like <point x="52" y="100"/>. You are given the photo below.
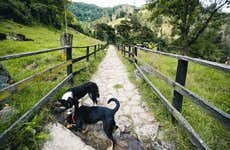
<point x="137" y="127"/>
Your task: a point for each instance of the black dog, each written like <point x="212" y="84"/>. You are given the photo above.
<point x="89" y="115"/>
<point x="72" y="95"/>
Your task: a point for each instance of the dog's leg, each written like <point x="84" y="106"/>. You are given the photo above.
<point x="115" y="128"/>
<point x="108" y="128"/>
<point x="84" y="131"/>
<point x="69" y="126"/>
<point x="111" y="147"/>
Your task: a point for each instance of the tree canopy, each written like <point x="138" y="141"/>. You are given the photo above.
<point x="49" y="12"/>
<point x="189" y="19"/>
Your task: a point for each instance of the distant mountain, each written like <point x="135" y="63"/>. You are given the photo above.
<point x="90" y="12"/>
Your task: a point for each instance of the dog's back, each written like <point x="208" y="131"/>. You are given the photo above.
<point x="92" y="114"/>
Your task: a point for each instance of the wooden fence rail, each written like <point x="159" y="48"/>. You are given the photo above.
<point x="6" y="92"/>
<point x="12" y="89"/>
<point x="20" y="122"/>
<point x="8" y="57"/>
<point x="180" y="90"/>
<point x="213" y="111"/>
<point x="215" y="65"/>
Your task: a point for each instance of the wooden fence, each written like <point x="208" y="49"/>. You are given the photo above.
<point x="180" y="90"/>
<point x="16" y="87"/>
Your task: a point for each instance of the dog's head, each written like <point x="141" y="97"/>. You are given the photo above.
<point x="68" y="103"/>
<point x="94" y="92"/>
<point x="94" y="96"/>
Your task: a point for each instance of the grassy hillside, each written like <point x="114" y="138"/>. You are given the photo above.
<point x="210" y="84"/>
<point x="43" y="38"/>
<point x="24" y="67"/>
<point x="90" y="12"/>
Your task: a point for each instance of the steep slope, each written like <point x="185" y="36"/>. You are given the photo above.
<point x="90" y="12"/>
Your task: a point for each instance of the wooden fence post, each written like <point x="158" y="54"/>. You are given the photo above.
<point x="95" y="48"/>
<point x="87" y="53"/>
<point x="66" y="40"/>
<point x="181" y="74"/>
<point x="124" y="50"/>
<point x="129" y="50"/>
<point x="135" y="54"/>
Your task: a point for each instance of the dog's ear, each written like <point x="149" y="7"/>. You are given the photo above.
<point x="64" y="103"/>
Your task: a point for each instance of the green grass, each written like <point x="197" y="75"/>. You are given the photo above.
<point x="210" y="84"/>
<point x="118" y="86"/>
<point x="44" y="37"/>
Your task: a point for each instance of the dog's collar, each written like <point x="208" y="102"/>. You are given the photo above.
<point x="73" y="117"/>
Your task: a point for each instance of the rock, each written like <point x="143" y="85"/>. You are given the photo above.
<point x="136" y="75"/>
<point x="147" y="131"/>
<point x="62" y="138"/>
<point x="3" y="85"/>
<point x="3" y="36"/>
<point x="6" y="112"/>
<point x="32" y="66"/>
<point x="3" y="71"/>
<point x="95" y="136"/>
<point x="157" y="146"/>
<point x="18" y="37"/>
<point x="129" y="142"/>
<point x="124" y="121"/>
<point x="4" y="77"/>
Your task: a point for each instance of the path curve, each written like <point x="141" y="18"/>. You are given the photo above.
<point x="138" y="129"/>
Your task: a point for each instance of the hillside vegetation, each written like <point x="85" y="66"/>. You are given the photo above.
<point x="90" y="12"/>
<point x="44" y="37"/>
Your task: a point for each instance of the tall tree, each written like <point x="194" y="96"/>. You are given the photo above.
<point x="189" y="18"/>
<point x="105" y="32"/>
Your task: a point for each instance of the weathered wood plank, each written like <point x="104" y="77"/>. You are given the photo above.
<point x="84" y="57"/>
<point x="79" y="71"/>
<point x="213" y="111"/>
<point x="13" y="56"/>
<point x="135" y="54"/>
<point x="95" y="53"/>
<point x="78" y="59"/>
<point x="193" y="136"/>
<point x="83" y="46"/>
<point x="67" y="40"/>
<point x="215" y="65"/>
<point x="31" y="112"/>
<point x="6" y="92"/>
<point x="87" y="53"/>
<point x="182" y="67"/>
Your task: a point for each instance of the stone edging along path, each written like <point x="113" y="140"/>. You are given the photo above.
<point x="138" y="129"/>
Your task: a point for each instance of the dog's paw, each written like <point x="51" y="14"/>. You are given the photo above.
<point x="84" y="131"/>
<point x="111" y="147"/>
<point x="69" y="126"/>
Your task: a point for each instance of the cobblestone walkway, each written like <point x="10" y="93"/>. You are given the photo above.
<point x="137" y="127"/>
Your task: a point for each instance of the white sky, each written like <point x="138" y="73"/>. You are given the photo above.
<point x="111" y="3"/>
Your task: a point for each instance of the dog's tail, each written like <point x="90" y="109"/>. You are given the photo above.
<point x="117" y="104"/>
